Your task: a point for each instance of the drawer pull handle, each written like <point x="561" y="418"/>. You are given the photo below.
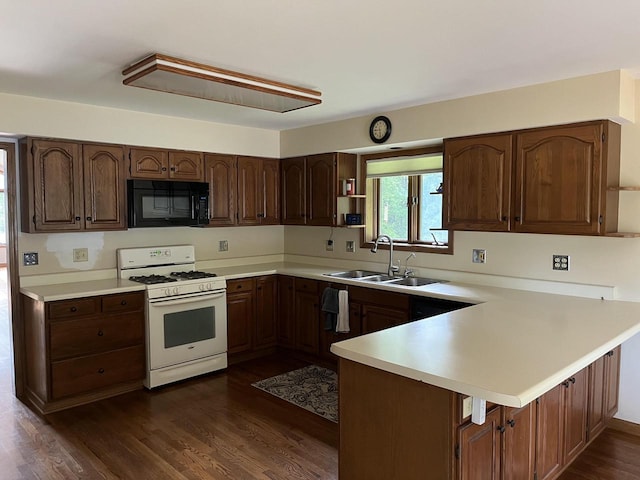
<point x="512" y="423"/>
<point x="73" y="309"/>
<point x="238" y="286"/>
<point x="123" y="302"/>
<point x="566" y="383"/>
<point x="500" y="428"/>
<point x="100" y="333"/>
<point x="101" y="371"/>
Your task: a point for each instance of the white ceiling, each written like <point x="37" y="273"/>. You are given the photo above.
<point x="365" y="56"/>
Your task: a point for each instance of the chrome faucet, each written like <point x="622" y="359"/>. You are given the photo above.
<point x="408" y="272"/>
<point x="392" y="269"/>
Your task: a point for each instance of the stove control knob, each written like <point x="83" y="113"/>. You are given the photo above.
<point x="176" y="290"/>
<point x="201" y="287"/>
<point x="209" y="286"/>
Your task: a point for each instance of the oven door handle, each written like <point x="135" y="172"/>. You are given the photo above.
<point x="189" y="299"/>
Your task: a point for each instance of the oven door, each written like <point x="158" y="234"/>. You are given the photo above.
<point x="185" y="328"/>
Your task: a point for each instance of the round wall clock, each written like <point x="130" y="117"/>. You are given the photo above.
<point x="380" y="129"/>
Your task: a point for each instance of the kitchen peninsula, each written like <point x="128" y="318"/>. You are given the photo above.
<point x="537" y="359"/>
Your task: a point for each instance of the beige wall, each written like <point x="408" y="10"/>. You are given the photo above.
<point x="511" y="258"/>
<point x="594" y="261"/>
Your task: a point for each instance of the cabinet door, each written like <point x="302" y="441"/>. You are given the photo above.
<point x="321" y="190"/>
<point x="575" y="423"/>
<point x="477" y="183"/>
<point x="307" y="317"/>
<point x="518" y="457"/>
<point x="266" y="311"/>
<point x="104" y="187"/>
<point x="292" y="191"/>
<point x="596" y="413"/>
<point x="612" y="368"/>
<point x="148" y="163"/>
<point x="286" y="316"/>
<point x="479" y="449"/>
<point x="270" y="185"/>
<point x="376" y="318"/>
<point x="240" y="314"/>
<point x="549" y="446"/>
<point x="220" y="173"/>
<point x="558" y="174"/>
<point x="249" y="191"/>
<point x="186" y="166"/>
<point x="57" y="186"/>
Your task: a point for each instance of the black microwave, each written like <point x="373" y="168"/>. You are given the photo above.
<point x="167" y="203"/>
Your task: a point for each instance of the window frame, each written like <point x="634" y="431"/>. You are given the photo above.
<point x="372" y="192"/>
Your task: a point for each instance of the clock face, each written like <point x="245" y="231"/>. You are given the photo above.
<point x="380" y="129"/>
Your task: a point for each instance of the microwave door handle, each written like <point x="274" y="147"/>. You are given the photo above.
<point x="180" y="301"/>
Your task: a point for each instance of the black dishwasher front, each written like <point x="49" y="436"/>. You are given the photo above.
<point x="424" y="307"/>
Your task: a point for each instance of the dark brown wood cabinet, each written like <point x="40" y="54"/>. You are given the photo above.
<point x="286" y="315"/>
<point x="220" y="174"/>
<point x="68" y="186"/>
<point x="518" y="442"/>
<point x="157" y="164"/>
<point x="604" y="379"/>
<point x="310" y="188"/>
<point x="266" y="330"/>
<point x="479" y="448"/>
<point x="575" y="416"/>
<point x="84" y="349"/>
<point x="557" y="180"/>
<point x="612" y="383"/>
<point x="307" y="316"/>
<point x="240" y="315"/>
<point x="258" y="195"/>
<point x="379" y="309"/>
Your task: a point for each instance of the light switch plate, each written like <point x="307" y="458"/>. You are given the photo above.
<point x="479" y="255"/>
<point x="351" y="246"/>
<point x="80" y="254"/>
<point x="467" y="407"/>
<point x="561" y="262"/>
<point x="223" y="246"/>
<point x="30" y="258"/>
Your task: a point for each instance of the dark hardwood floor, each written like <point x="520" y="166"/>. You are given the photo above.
<point x="213" y="427"/>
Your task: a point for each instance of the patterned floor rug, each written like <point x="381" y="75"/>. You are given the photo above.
<point x="312" y="388"/>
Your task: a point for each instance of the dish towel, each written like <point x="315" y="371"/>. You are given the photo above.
<point x="331" y="308"/>
<point x="343" y="312"/>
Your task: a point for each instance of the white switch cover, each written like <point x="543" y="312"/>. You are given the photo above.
<point x="467" y="407"/>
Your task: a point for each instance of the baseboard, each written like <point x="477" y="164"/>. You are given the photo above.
<point x="624" y="426"/>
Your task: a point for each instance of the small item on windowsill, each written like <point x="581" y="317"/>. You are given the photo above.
<point x="439" y="189"/>
<point x="352" y="219"/>
<point x="351" y="186"/>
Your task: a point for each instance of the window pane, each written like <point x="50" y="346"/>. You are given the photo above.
<point x="431" y="209"/>
<point x="394" y="214"/>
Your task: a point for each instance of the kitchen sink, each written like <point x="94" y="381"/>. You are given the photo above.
<point x="378" y="278"/>
<point x="414" y="281"/>
<point x="353" y="274"/>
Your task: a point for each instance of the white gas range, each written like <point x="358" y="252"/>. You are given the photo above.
<point x="186" y="312"/>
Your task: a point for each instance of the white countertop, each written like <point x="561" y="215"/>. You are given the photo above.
<point x="509" y="348"/>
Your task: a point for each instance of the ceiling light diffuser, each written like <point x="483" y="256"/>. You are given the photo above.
<point x="182" y="77"/>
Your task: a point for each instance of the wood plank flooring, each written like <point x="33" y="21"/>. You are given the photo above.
<point x="213" y="427"/>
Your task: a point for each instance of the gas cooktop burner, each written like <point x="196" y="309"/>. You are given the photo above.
<point x="152" y="279"/>
<point x="193" y="275"/>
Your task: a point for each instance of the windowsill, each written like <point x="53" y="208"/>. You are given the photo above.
<point x="413" y="247"/>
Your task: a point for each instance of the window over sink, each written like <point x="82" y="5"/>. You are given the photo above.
<point x="404" y="199"/>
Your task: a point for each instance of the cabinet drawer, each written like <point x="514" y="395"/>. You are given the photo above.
<point x="84" y="374"/>
<point x="126" y="302"/>
<point x="92" y="335"/>
<point x="306" y="285"/>
<point x="73" y="308"/>
<point x="242" y="285"/>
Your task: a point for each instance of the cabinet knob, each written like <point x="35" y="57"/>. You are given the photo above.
<point x="101" y="371"/>
<point x="610" y="354"/>
<point x="517" y="218"/>
<point x="88" y="219"/>
<point x="77" y="219"/>
<point x="164" y="169"/>
<point x="123" y="302"/>
<point x="173" y="169"/>
<point x="260" y="215"/>
<point x="511" y="423"/>
<point x="572" y="379"/>
<point x="566" y="383"/>
<point x="100" y="333"/>
<point x="501" y="428"/>
<point x="73" y="309"/>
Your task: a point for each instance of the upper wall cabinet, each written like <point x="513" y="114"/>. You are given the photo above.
<point x="549" y="180"/>
<point x="150" y="163"/>
<point x="69" y="186"/>
<point x="309" y="188"/>
<point x="243" y="190"/>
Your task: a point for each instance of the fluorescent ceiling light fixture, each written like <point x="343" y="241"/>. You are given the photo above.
<point x="182" y="77"/>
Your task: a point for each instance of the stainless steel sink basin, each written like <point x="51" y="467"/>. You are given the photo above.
<point x="353" y="274"/>
<point x="378" y="278"/>
<point x="414" y="281"/>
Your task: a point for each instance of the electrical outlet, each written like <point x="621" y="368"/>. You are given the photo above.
<point x="561" y="262"/>
<point x="80" y="254"/>
<point x="30" y="258"/>
<point x="223" y="246"/>
<point x="329" y="245"/>
<point x="479" y="256"/>
<point x="351" y="247"/>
